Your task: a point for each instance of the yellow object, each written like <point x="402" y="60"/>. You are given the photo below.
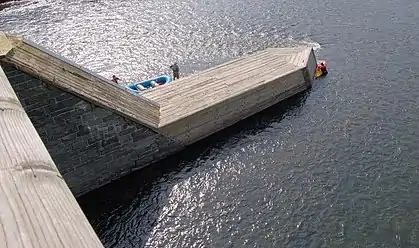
<point x="318" y="72"/>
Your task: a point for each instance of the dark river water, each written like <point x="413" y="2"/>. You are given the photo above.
<point x="336" y="166"/>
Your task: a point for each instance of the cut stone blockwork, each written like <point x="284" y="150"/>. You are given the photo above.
<point x="89" y="144"/>
<point x="96" y="131"/>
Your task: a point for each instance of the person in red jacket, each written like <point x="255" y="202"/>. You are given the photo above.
<point x="323" y="68"/>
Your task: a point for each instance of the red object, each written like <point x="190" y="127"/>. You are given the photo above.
<point x="322" y="61"/>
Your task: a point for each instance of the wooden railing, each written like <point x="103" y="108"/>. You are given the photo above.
<point x="37" y="209"/>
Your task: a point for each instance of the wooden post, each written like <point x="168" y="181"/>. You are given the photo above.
<point x="5" y="45"/>
<point x="37" y="209"/>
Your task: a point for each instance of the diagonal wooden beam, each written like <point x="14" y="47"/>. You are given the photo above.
<point x="5" y="45"/>
<point x="37" y="207"/>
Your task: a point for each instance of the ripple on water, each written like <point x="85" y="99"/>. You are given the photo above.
<point x="333" y="167"/>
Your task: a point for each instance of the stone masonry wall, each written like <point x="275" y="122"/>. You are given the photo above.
<point x="91" y="146"/>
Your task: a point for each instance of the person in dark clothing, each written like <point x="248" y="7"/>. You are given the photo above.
<point x="175" y="69"/>
<point x="324" y="69"/>
<point x="115" y="79"/>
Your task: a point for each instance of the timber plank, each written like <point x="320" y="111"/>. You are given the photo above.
<point x="188" y="107"/>
<point x="185" y="108"/>
<point x="85" y="85"/>
<point x="194" y="125"/>
<point x="187" y="83"/>
<point x="220" y="82"/>
<point x="38" y="209"/>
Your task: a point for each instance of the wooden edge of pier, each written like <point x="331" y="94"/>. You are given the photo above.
<point x="185" y="110"/>
<point x="37" y="207"/>
<point x="5" y="45"/>
<point x="199" y="105"/>
<point x="70" y="77"/>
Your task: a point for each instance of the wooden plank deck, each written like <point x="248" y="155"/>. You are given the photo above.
<point x="185" y="110"/>
<point x="66" y="75"/>
<point x="194" y="107"/>
<point x="37" y="207"/>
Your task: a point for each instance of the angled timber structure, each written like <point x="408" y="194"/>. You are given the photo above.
<point x="197" y="106"/>
<point x="37" y="207"/>
<point x="96" y="131"/>
<point x="186" y="110"/>
<point x="68" y="76"/>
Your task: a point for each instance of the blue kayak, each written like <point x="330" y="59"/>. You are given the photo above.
<point x="143" y="86"/>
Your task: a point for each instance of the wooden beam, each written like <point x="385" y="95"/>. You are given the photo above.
<point x="37" y="209"/>
<point x="70" y="77"/>
<point x="201" y="104"/>
<point x="5" y="45"/>
<point x="161" y="108"/>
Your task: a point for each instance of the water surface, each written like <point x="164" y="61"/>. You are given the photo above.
<point x="333" y="167"/>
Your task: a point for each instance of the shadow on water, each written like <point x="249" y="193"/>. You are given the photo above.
<point x="126" y="193"/>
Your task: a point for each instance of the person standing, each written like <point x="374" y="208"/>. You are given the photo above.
<point x="175" y="69"/>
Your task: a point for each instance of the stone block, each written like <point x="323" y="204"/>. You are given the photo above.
<point x="91" y="146"/>
<point x="62" y="97"/>
<point x="83" y="130"/>
<point x="18" y="78"/>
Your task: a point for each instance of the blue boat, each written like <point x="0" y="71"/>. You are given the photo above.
<point x="143" y="86"/>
